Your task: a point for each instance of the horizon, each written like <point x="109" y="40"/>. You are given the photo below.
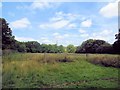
<point x="61" y="22"/>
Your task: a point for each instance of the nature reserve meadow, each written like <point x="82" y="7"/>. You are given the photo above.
<point x="36" y="70"/>
<point x="62" y="44"/>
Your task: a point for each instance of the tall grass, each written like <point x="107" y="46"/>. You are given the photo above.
<point x="105" y="60"/>
<point x="42" y="58"/>
<point x="35" y="70"/>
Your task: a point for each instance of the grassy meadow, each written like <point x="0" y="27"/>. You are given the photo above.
<point x="39" y="70"/>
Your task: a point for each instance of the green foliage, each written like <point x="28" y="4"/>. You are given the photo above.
<point x="116" y="44"/>
<point x="94" y="46"/>
<point x="61" y="49"/>
<point x="8" y="40"/>
<point x="32" y="46"/>
<point x="20" y="46"/>
<point x="118" y="35"/>
<point x="71" y="48"/>
<point x="51" y="48"/>
<point x="35" y="47"/>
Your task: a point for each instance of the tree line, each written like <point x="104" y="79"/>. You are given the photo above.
<point x="88" y="46"/>
<point x="35" y="47"/>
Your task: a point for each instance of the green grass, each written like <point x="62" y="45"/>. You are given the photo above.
<point x="30" y="70"/>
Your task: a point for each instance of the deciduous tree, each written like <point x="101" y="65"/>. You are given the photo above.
<point x="8" y="40"/>
<point x="71" y="48"/>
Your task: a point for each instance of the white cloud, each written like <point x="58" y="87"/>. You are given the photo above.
<point x="43" y="26"/>
<point x="106" y="32"/>
<point x="45" y="40"/>
<point x="56" y="19"/>
<point x="22" y="23"/>
<point x="58" y="36"/>
<point x="40" y="4"/>
<point x="54" y="25"/>
<point x="72" y="25"/>
<point x="110" y="10"/>
<point x="103" y="35"/>
<point x="24" y="39"/>
<point x="87" y="23"/>
<point x="68" y="16"/>
<point x="84" y="35"/>
<point x="55" y="34"/>
<point x="60" y="20"/>
<point x="60" y="13"/>
<point x="66" y="35"/>
<point x="60" y="24"/>
<point x="82" y="31"/>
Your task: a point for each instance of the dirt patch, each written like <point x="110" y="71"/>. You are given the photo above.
<point x="65" y="60"/>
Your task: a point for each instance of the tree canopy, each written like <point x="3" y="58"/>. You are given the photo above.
<point x="71" y="48"/>
<point x="116" y="44"/>
<point x="94" y="46"/>
<point x="8" y="40"/>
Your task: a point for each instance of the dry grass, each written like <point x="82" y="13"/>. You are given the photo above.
<point x="41" y="58"/>
<point x="105" y="60"/>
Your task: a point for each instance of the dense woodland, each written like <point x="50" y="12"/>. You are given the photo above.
<point x="88" y="46"/>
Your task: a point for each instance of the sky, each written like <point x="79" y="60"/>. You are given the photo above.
<point x="63" y="23"/>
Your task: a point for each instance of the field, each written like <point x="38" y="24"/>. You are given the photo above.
<point x="36" y="70"/>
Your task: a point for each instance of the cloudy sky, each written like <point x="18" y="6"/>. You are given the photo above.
<point x="62" y="22"/>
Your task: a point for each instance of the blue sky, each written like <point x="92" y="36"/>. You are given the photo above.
<point x="62" y="22"/>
